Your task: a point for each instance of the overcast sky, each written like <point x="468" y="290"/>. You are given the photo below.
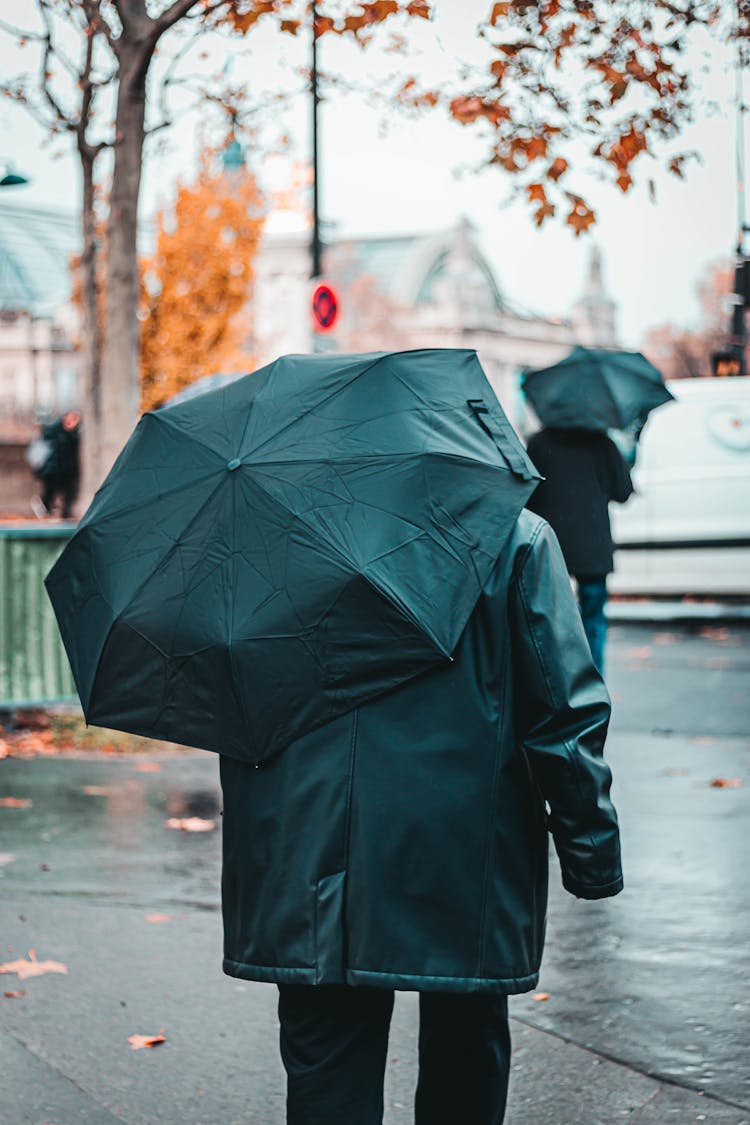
<point x="405" y="179"/>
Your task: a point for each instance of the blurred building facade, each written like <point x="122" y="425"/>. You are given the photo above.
<point x="433" y="289"/>
<point x="39" y="365"/>
<point x="421" y="290"/>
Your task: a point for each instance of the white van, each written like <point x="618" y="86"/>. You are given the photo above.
<point x="687" y="529"/>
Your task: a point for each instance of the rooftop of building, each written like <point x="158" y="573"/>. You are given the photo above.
<point x="36" y="247"/>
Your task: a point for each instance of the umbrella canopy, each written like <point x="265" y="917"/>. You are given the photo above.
<point x="269" y="555"/>
<point x="595" y="389"/>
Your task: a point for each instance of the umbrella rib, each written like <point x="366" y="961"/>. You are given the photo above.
<point x="238" y="694"/>
<point x="116" y="616"/>
<point x="375" y="508"/>
<point x="160" y="496"/>
<point x="347" y="566"/>
<point x="612" y="399"/>
<point x="161" y="417"/>
<point x="321" y="402"/>
<point x="406" y="613"/>
<point x="172" y="548"/>
<point x="462" y="457"/>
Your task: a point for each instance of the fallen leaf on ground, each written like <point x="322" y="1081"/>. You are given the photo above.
<point x="148" y="767"/>
<point x="4" y="748"/>
<point x="15" y="995"/>
<point x="157" y="918"/>
<point x="726" y="783"/>
<point x="32" y="967"/>
<point x="138" y="1041"/>
<point x="190" y="823"/>
<point x="32" y="742"/>
<point x="540" y="996"/>
<point x="641" y="653"/>
<point x="15" y="803"/>
<point x="675" y="771"/>
<point x="98" y="790"/>
<point x="666" y="638"/>
<point x="5" y="858"/>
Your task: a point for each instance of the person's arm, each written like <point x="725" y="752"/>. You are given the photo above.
<point x="563" y="711"/>
<point x="621" y="485"/>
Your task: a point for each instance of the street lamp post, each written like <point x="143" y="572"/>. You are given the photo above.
<point x="315" y="247"/>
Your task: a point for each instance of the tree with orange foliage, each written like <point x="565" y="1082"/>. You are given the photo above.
<point x="196" y="286"/>
<point x="682" y="353"/>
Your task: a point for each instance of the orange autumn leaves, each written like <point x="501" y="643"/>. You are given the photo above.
<point x="32" y="967"/>
<point x="364" y="16"/>
<point x="540" y="117"/>
<point x="196" y="285"/>
<point x="195" y="288"/>
<point x="139" y="1041"/>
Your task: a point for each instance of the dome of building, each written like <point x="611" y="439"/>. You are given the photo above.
<point x="36" y="247"/>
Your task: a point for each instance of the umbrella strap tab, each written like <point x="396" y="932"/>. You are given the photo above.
<point x="500" y="430"/>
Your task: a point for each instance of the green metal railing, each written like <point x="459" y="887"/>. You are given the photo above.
<point x="34" y="669"/>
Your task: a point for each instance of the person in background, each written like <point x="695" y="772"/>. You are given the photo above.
<point x="583" y="472"/>
<point x="60" y="471"/>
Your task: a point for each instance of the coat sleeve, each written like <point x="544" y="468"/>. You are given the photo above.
<point x="563" y="712"/>
<point x="620" y="483"/>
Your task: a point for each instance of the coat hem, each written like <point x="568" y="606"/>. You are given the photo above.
<point x="365" y="978"/>
<point x="273" y="974"/>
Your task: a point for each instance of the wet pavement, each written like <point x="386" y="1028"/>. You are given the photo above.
<point x="647" y="1015"/>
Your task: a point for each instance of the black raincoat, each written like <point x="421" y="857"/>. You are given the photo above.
<point x="584" y="471"/>
<point x="404" y="844"/>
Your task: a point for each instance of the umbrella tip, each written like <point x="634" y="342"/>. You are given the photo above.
<point x="233" y="464"/>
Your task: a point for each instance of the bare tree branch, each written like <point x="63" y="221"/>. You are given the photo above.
<point x="95" y="19"/>
<point x="40" y="115"/>
<point x="45" y="72"/>
<point x="172" y="15"/>
<point x="19" y="33"/>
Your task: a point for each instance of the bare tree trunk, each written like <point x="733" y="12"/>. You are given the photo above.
<point x="119" y="383"/>
<point x="91" y="337"/>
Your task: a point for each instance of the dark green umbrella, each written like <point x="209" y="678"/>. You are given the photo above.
<point x="269" y="555"/>
<point x="595" y="389"/>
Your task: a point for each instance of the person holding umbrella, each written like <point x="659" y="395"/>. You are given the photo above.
<point x="324" y="572"/>
<point x="578" y="400"/>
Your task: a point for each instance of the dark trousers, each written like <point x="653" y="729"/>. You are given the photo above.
<point x="592" y="599"/>
<point x="64" y="487"/>
<point x="334" y="1042"/>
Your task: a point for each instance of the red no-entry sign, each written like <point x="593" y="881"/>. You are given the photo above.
<point x="325" y="307"/>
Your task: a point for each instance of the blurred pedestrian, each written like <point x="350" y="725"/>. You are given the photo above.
<point x="584" y="471"/>
<point x="58" y="465"/>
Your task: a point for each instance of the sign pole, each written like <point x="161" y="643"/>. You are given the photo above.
<point x="315" y="248"/>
